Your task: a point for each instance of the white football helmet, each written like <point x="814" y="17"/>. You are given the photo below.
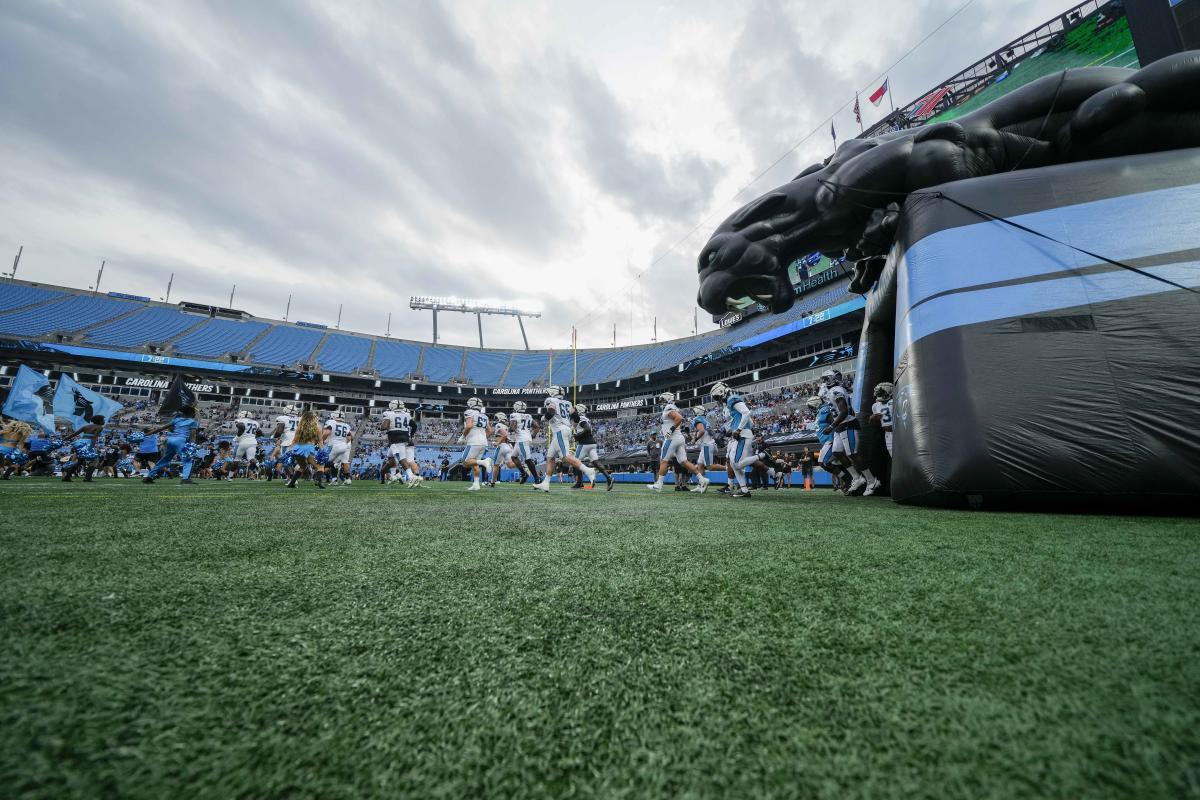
<point x="475" y="403"/>
<point x="290" y="410"/>
<point x="814" y="402"/>
<point x="500" y="416"/>
<point x="519" y="407"/>
<point x="336" y="414"/>
<point x="666" y="397"/>
<point x="396" y="405"/>
<point x="831" y="377"/>
<point x="719" y="390"/>
<point x="555" y="391"/>
<point x="581" y="408"/>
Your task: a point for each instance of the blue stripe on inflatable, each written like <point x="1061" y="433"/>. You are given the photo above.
<point x="988" y="252"/>
<point x="968" y="308"/>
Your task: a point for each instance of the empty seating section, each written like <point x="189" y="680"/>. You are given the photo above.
<point x="525" y="367"/>
<point x="67" y="315"/>
<point x="396" y="359"/>
<point x="14" y="295"/>
<point x="605" y="364"/>
<point x="442" y="363"/>
<point x="286" y="345"/>
<point x="484" y="368"/>
<point x="152" y="325"/>
<point x="564" y="367"/>
<point x="344" y="353"/>
<point x="35" y="311"/>
<point x="218" y="337"/>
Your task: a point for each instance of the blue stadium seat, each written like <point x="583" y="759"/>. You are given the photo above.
<point x="442" y="363"/>
<point x="218" y="337"/>
<point x="284" y="344"/>
<point x="344" y="353"/>
<point x="152" y="325"/>
<point x="526" y="366"/>
<point x="606" y="364"/>
<point x="565" y="369"/>
<point x="67" y="315"/>
<point x="396" y="359"/>
<point x="14" y="295"/>
<point x="484" y="368"/>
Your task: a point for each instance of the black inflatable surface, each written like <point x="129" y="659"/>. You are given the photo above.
<point x="1027" y="370"/>
<point x="850" y="204"/>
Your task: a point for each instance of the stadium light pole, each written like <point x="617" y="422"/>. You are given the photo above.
<point x="460" y="306"/>
<point x="99" y="275"/>
<point x="167" y="296"/>
<point x="16" y="262"/>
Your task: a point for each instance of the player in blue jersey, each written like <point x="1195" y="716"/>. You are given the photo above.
<point x="181" y="431"/>
<point x="740" y="426"/>
<point x="824" y="414"/>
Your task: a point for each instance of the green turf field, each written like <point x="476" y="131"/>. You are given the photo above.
<point x="241" y="640"/>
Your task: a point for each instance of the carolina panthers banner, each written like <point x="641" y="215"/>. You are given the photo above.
<point x="78" y="404"/>
<point x="28" y="398"/>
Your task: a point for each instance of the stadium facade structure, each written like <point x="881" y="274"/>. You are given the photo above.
<point x="1092" y="33"/>
<point x="129" y="345"/>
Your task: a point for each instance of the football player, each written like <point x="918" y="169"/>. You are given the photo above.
<point x="285" y="431"/>
<point x="337" y="434"/>
<point x="739" y="453"/>
<point x="557" y="411"/>
<point x="504" y="448"/>
<point x="247" y="442"/>
<point x="521" y="426"/>
<point x="845" y="433"/>
<point x="881" y="411"/>
<point x="586" y="449"/>
<point x="702" y="436"/>
<point x="674" y="445"/>
<point x="824" y="415"/>
<point x="400" y="428"/>
<point x="474" y="436"/>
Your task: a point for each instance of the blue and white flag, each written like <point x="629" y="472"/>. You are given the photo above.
<point x="29" y="399"/>
<point x="79" y="403"/>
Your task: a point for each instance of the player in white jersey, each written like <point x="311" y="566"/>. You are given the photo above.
<point x="702" y="436"/>
<point x="845" y="433"/>
<point x="521" y="425"/>
<point x="586" y="449"/>
<point x="247" y="442"/>
<point x="338" y="434"/>
<point x="285" y="431"/>
<point x="674" y="445"/>
<point x="557" y="411"/>
<point x="881" y="411"/>
<point x="400" y="428"/>
<point x="739" y="451"/>
<point x="474" y="436"/>
<point x="504" y="447"/>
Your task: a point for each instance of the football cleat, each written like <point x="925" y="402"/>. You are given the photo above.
<point x="857" y="484"/>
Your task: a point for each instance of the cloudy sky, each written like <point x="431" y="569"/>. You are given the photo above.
<point x="543" y="153"/>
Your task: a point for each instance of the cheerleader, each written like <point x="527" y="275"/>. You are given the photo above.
<point x="13" y="451"/>
<point x="182" y="429"/>
<point x="84" y="442"/>
<point x="304" y="450"/>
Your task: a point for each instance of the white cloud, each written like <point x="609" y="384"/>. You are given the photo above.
<point x="545" y="153"/>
